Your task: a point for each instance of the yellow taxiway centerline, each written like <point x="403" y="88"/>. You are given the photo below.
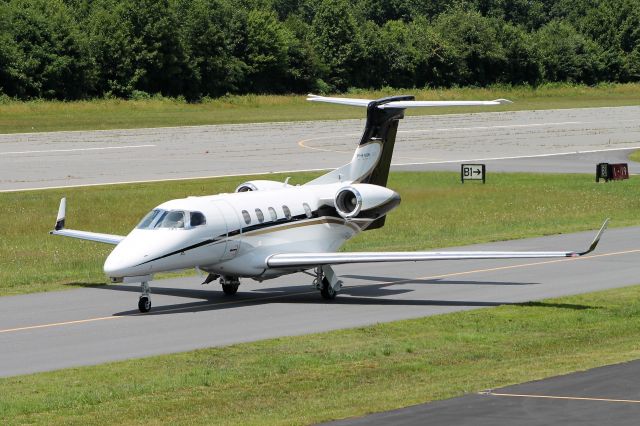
<point x="282" y="296"/>
<point x="571" y="398"/>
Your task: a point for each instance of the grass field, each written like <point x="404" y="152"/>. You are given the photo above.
<point x="39" y="116"/>
<point x="635" y="156"/>
<point x="434" y="213"/>
<point x="308" y="379"/>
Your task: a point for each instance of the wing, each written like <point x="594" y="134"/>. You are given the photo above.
<point x="82" y="235"/>
<point x="309" y="260"/>
<point x="404" y="104"/>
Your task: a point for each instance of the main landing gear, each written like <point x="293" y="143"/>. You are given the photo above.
<point x="230" y="285"/>
<point x="144" y="304"/>
<point x="327" y="282"/>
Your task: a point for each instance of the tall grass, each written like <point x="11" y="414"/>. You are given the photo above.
<point x="158" y="111"/>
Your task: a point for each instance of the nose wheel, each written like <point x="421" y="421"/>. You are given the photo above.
<point x="144" y="304"/>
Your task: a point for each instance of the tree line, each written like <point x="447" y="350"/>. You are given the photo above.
<point x="76" y="49"/>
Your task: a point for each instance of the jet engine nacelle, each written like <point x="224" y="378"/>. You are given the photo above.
<point x="365" y="201"/>
<point x="261" y="185"/>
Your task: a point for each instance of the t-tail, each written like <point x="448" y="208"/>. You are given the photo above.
<point x="372" y="159"/>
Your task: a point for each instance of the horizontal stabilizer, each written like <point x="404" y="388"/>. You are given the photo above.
<point x="404" y="104"/>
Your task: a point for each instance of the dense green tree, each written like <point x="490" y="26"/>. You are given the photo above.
<point x="11" y="72"/>
<point x="50" y="54"/>
<point x="567" y="55"/>
<point x="399" y="55"/>
<point x="137" y="47"/>
<point x="266" y="52"/>
<point x="305" y="67"/>
<point x="211" y="32"/>
<point x="111" y="48"/>
<point x="480" y="57"/>
<point x="437" y="59"/>
<point x="523" y="60"/>
<point x="337" y="39"/>
<point x="70" y="49"/>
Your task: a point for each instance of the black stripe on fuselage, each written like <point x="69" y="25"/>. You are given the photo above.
<point x="191" y="247"/>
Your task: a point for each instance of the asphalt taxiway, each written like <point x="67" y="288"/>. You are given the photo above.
<point x="602" y="396"/>
<point x="97" y="324"/>
<point x="42" y="160"/>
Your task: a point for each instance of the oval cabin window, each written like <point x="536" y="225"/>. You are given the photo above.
<point x="307" y="210"/>
<point x="287" y="212"/>
<point x="246" y="216"/>
<point x="273" y="214"/>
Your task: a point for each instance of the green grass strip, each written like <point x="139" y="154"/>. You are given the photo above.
<point x="307" y="379"/>
<point x="436" y="211"/>
<point x="41" y="116"/>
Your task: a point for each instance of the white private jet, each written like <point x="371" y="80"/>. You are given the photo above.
<point x="267" y="229"/>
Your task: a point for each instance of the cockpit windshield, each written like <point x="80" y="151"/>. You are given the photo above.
<point x="174" y="219"/>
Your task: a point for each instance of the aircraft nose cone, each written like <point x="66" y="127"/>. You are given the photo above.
<point x="117" y="265"/>
<point x="113" y="266"/>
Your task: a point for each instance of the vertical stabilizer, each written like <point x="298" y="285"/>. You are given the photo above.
<point x="382" y="126"/>
<point x="372" y="158"/>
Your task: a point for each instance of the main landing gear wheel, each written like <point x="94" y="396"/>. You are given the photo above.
<point x="229" y="285"/>
<point x="144" y="304"/>
<point x="327" y="282"/>
<point x="326" y="291"/>
<point x="230" y="289"/>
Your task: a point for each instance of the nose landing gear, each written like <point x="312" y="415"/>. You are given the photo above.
<point x="144" y="304"/>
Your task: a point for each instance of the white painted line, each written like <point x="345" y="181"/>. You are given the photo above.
<point x="162" y="180"/>
<point x="103" y="148"/>
<point x="309" y="170"/>
<point x="519" y="157"/>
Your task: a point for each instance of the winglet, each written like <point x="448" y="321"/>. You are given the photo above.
<point x="61" y="214"/>
<point x="596" y="240"/>
<point x="503" y="101"/>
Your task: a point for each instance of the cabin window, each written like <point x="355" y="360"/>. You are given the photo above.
<point x="149" y="220"/>
<point x="174" y="219"/>
<point x="197" y="219"/>
<point x="287" y="212"/>
<point x="273" y="214"/>
<point x="307" y="210"/>
<point x="247" y="217"/>
<point x="259" y="215"/>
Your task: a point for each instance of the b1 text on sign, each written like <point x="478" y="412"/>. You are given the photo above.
<point x="472" y="172"/>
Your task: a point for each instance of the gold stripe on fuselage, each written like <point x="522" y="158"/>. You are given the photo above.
<point x="300" y="224"/>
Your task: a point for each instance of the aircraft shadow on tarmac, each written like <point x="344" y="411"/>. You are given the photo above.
<point x="212" y="299"/>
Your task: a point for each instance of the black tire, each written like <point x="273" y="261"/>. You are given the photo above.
<point x="144" y="304"/>
<point x="230" y="289"/>
<point x="327" y="292"/>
